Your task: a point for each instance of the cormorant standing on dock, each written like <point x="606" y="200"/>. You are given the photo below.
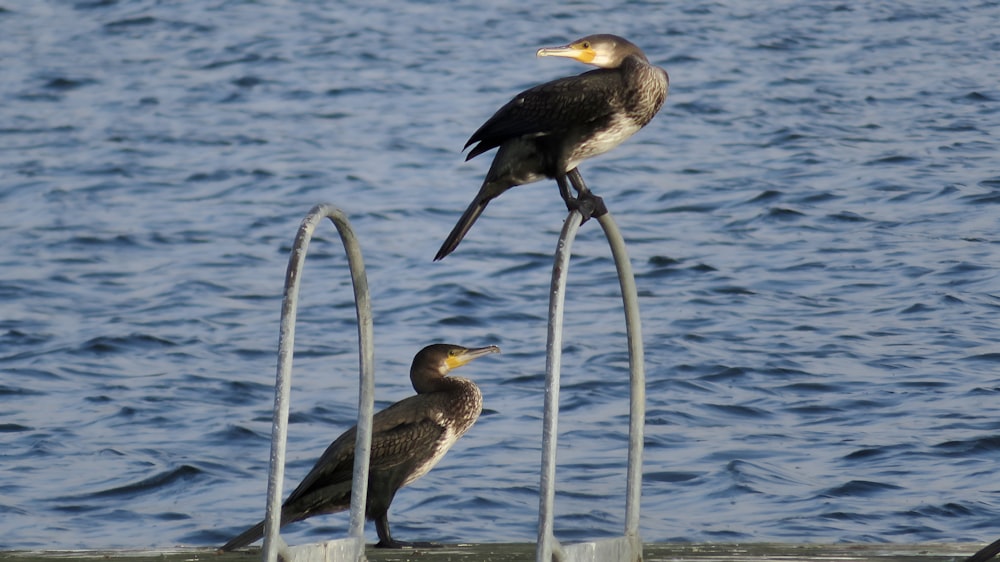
<point x="408" y="439"/>
<point x="546" y="131"/>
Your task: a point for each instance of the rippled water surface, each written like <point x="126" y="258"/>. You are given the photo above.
<point x="812" y="220"/>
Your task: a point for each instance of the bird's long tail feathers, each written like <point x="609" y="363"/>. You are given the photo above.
<point x="987" y="553"/>
<point x="469" y="217"/>
<point x="244" y="538"/>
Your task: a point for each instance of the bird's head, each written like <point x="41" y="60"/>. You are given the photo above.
<point x="437" y="360"/>
<point x="602" y="50"/>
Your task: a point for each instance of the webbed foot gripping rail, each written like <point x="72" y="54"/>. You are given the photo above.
<point x="627" y="548"/>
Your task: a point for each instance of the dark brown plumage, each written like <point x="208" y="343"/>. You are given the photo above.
<point x="408" y="439"/>
<point x="546" y="131"/>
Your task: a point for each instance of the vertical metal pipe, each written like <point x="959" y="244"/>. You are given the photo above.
<point x="366" y="384"/>
<point x="637" y="373"/>
<point x="553" y="348"/>
<point x="282" y="388"/>
<point x="286" y="343"/>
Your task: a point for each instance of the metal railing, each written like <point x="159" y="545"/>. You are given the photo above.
<point x="353" y="547"/>
<point x="629" y="547"/>
<point x="621" y="549"/>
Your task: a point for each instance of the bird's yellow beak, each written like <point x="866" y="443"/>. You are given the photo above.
<point x="581" y="51"/>
<point x="463" y="357"/>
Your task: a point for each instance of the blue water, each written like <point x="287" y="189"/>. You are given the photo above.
<point x="812" y="218"/>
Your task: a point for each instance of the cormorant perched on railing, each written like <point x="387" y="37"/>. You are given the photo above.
<point x="408" y="439"/>
<point x="546" y="131"/>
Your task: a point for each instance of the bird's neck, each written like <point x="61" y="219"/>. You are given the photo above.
<point x="647" y="89"/>
<point x="467" y="402"/>
<point x="427" y="383"/>
<point x="456" y="398"/>
<point x="632" y="62"/>
<point x="456" y="385"/>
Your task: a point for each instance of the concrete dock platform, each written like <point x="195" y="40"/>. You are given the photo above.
<point x="505" y="552"/>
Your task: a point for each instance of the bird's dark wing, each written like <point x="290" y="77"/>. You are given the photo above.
<point x="550" y="108"/>
<point x="399" y="435"/>
<point x="411" y="442"/>
<point x="336" y="464"/>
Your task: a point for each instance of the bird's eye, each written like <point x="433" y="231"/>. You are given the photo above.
<point x="585" y="44"/>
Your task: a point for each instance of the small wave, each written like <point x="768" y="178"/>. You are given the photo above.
<point x="892" y="159"/>
<point x="738" y="411"/>
<point x="102" y="345"/>
<point x="233" y="434"/>
<point x="992" y="357"/>
<point x="130" y="22"/>
<point x="859" y="488"/>
<point x="784" y="213"/>
<point x="152" y="484"/>
<point x="16" y="391"/>
<point x="847" y="216"/>
<point x="873" y="452"/>
<point x="63" y="84"/>
<point x="966" y="447"/>
<point x="945" y="510"/>
<point x="12" y="510"/>
<point x="766" y="195"/>
<point x="669" y="476"/>
<point x="849" y="516"/>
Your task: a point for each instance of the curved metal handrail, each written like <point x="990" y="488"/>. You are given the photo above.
<point x="631" y="547"/>
<point x="637" y="372"/>
<point x="366" y="394"/>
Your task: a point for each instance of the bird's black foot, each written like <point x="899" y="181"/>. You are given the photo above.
<point x="385" y="539"/>
<point x="588" y="204"/>
<point x="393" y="543"/>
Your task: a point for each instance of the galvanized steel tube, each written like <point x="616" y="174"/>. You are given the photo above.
<point x="553" y="358"/>
<point x="547" y="544"/>
<point x="637" y="373"/>
<point x="286" y="341"/>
